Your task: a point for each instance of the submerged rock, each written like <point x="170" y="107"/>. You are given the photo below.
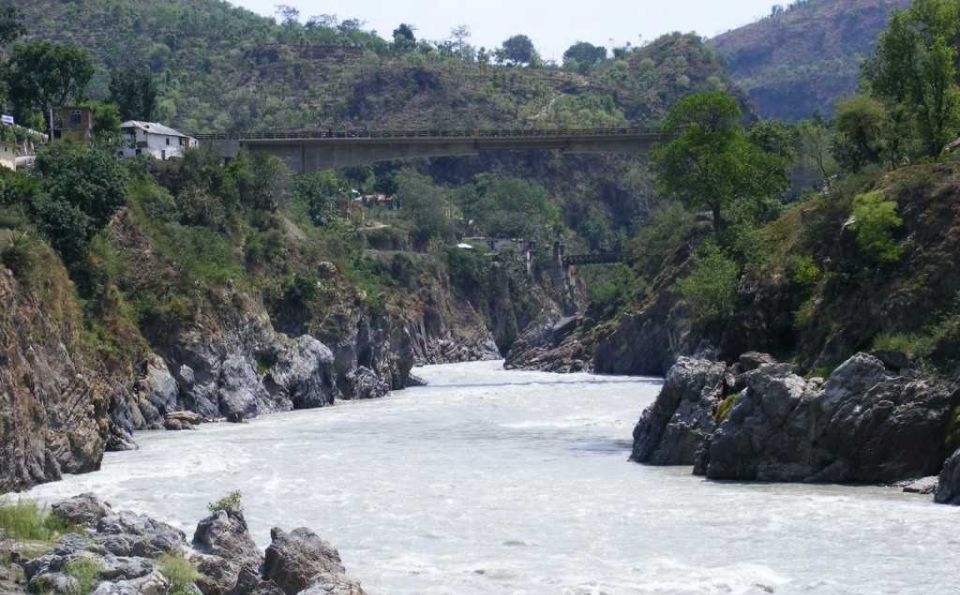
<point x="924" y="486"/>
<point x="672" y="430"/>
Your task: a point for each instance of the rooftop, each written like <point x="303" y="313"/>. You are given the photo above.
<point x="153" y="128"/>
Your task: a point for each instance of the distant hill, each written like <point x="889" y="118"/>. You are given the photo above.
<point x="804" y="58"/>
<point x="223" y="68"/>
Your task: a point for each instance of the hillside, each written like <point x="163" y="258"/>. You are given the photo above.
<point x="224" y="68"/>
<point x="803" y="59"/>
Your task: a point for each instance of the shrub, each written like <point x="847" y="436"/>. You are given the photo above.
<point x="180" y="573"/>
<point x="231" y="501"/>
<point x="804" y="271"/>
<point x="724" y="408"/>
<point x="86" y="571"/>
<point x="875" y="220"/>
<point x="913" y="344"/>
<point x="25" y="520"/>
<point x="19" y="255"/>
<point x="711" y="288"/>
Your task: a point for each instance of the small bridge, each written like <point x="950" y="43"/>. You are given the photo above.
<point x="329" y="149"/>
<point x="579" y="260"/>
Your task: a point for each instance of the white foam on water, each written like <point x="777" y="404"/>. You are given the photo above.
<point x="495" y="482"/>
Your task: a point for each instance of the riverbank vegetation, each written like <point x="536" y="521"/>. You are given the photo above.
<point x="851" y="255"/>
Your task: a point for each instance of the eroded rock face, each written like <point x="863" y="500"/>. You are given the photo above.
<point x="551" y="343"/>
<point x="673" y="429"/>
<point x="862" y="426"/>
<point x="299" y="560"/>
<point x="53" y="405"/>
<point x="948" y="491"/>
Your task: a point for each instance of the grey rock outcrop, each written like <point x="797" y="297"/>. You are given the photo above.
<point x="299" y="560"/>
<point x="227" y="549"/>
<point x="128" y="552"/>
<point x="672" y="430"/>
<point x="550" y="343"/>
<point x="83" y="510"/>
<point x="948" y="491"/>
<point x="862" y="426"/>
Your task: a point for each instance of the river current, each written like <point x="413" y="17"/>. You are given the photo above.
<point x="496" y="482"/>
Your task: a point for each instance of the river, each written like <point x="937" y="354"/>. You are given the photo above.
<point x="495" y="482"/>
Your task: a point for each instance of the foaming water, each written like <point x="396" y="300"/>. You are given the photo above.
<point x="495" y="482"/>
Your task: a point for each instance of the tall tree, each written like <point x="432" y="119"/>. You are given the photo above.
<point x="711" y="162"/>
<point x="582" y="56"/>
<point x="11" y="28"/>
<point x="459" y="35"/>
<point x="404" y="38"/>
<point x="135" y="93"/>
<point x="519" y="49"/>
<point x="915" y="70"/>
<point x="42" y="76"/>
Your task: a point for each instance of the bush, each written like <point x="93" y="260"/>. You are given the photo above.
<point x="86" y="571"/>
<point x="467" y="268"/>
<point x="231" y="501"/>
<point x="711" y="289"/>
<point x="875" y="220"/>
<point x="180" y="573"/>
<point x="724" y="408"/>
<point x="804" y="270"/>
<point x="20" y="255"/>
<point x="25" y="520"/>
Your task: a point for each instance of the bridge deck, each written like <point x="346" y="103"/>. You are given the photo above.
<point x="330" y="134"/>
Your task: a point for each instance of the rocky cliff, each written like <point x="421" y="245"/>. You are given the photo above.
<point x="758" y="420"/>
<point x="55" y="399"/>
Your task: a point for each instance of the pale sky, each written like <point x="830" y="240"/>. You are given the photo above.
<point x="553" y="25"/>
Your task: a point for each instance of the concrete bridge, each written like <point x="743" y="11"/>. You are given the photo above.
<point x="318" y="150"/>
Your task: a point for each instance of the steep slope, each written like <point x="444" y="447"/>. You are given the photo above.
<point x="801" y="60"/>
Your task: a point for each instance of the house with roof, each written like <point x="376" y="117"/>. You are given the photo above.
<point x="150" y="138"/>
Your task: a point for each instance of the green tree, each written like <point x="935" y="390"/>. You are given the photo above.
<point x="425" y="205"/>
<point x="518" y="49"/>
<point x="11" y="28"/>
<point x="814" y="139"/>
<point x="860" y="125"/>
<point x="320" y="192"/>
<point x="43" y="75"/>
<point x="134" y="90"/>
<point x="404" y="38"/>
<point x="711" y="287"/>
<point x="81" y="188"/>
<point x="710" y="162"/>
<point x="875" y="220"/>
<point x="582" y="56"/>
<point x="914" y="69"/>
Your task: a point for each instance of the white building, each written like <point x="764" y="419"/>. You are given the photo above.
<point x="157" y="140"/>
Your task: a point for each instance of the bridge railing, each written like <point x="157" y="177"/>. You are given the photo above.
<point x="414" y="134"/>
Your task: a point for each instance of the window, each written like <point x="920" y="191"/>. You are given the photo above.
<point x="168" y="141"/>
<point x="76" y="117"/>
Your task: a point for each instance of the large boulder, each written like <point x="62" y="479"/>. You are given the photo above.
<point x="948" y="491"/>
<point x="227" y="550"/>
<point x="863" y="426"/>
<point x="671" y="431"/>
<point x="84" y="510"/>
<point x="130" y="534"/>
<point x="299" y="560"/>
<point x="303" y="375"/>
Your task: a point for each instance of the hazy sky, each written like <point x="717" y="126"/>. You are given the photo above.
<point x="552" y="24"/>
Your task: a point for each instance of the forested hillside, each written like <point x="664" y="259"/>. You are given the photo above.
<point x="224" y="68"/>
<point x="803" y="58"/>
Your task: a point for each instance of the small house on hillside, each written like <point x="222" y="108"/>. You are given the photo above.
<point x="73" y="123"/>
<point x="150" y="138"/>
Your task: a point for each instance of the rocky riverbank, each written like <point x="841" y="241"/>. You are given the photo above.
<point x="869" y="421"/>
<point x="106" y="552"/>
